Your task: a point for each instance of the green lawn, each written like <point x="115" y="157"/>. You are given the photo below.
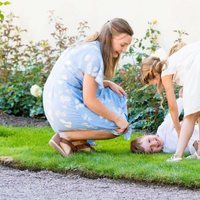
<point x="29" y="148"/>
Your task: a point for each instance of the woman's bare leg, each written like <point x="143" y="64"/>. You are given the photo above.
<point x="83" y="135"/>
<point x="187" y="129"/>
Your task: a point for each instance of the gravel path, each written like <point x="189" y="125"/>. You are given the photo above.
<point x="26" y="185"/>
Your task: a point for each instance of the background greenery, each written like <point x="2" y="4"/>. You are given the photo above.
<point x="3" y="3"/>
<point x="25" y="64"/>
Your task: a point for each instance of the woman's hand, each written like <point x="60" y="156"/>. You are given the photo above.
<point x="116" y="88"/>
<point x="122" y="124"/>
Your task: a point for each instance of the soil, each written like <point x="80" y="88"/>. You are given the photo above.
<point x="11" y="120"/>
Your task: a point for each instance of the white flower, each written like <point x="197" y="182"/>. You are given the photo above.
<point x="36" y="91"/>
<point x="154" y="21"/>
<point x="160" y="53"/>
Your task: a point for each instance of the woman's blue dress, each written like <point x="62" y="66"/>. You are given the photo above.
<point x="63" y="92"/>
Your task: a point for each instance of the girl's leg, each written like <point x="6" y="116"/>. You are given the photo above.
<point x="199" y="127"/>
<point x="83" y="135"/>
<point x="187" y="129"/>
<point x="198" y="141"/>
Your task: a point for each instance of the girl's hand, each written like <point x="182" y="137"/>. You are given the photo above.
<point x="116" y="88"/>
<point x="122" y="124"/>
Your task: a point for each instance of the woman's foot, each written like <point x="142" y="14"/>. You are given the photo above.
<point x="67" y="146"/>
<point x="174" y="158"/>
<point x="74" y="146"/>
<point x="83" y="146"/>
<point x="61" y="145"/>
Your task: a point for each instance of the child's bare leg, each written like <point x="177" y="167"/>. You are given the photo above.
<point x="199" y="127"/>
<point x="198" y="141"/>
<point x="84" y="135"/>
<point x="186" y="132"/>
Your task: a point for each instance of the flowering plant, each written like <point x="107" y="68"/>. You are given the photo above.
<point x="24" y="67"/>
<point x="36" y="90"/>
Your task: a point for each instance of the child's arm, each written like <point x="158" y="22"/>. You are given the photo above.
<point x="173" y="108"/>
<point x="179" y="102"/>
<point x="94" y="104"/>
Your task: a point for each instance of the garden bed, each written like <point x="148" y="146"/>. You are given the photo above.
<point x="11" y="120"/>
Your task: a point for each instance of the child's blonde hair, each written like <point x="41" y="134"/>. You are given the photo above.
<point x="112" y="28"/>
<point x="153" y="65"/>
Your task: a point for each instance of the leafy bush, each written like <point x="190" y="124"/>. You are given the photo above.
<point x="23" y="65"/>
<point x="3" y="4"/>
<point x="16" y="99"/>
<point x="145" y="111"/>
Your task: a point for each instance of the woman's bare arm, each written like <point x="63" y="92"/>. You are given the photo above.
<point x="94" y="104"/>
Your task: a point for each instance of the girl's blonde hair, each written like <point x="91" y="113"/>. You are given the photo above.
<point x="176" y="46"/>
<point x="112" y="28"/>
<point x="151" y="67"/>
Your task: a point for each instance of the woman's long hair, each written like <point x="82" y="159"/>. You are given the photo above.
<point x="112" y="28"/>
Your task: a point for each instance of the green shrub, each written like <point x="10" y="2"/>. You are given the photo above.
<point x="23" y="65"/>
<point x="16" y="99"/>
<point x="144" y="103"/>
<point x="3" y="4"/>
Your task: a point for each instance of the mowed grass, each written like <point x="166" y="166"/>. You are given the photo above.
<point x="29" y="148"/>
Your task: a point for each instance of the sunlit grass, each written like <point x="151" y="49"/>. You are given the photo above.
<point x="29" y="148"/>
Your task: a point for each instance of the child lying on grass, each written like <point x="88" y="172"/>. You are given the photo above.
<point x="166" y="138"/>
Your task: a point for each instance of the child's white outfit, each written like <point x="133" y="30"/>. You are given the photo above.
<point x="169" y="135"/>
<point x="185" y="66"/>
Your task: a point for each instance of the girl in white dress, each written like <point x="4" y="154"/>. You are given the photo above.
<point x="183" y="68"/>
